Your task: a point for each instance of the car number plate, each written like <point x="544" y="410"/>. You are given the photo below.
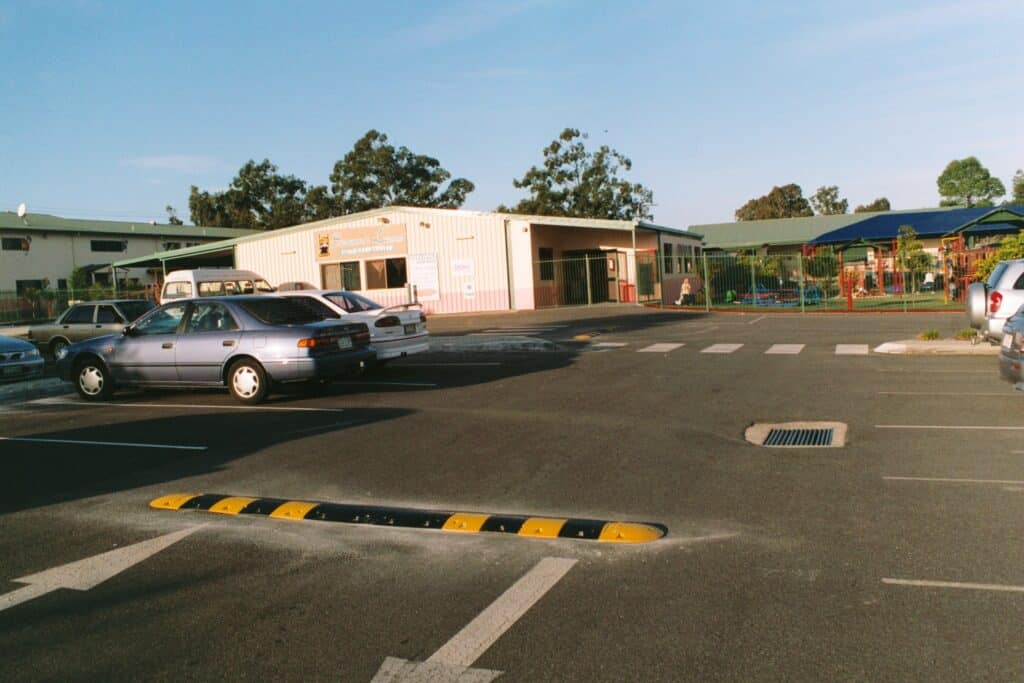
<point x="1007" y="340"/>
<point x="344" y="342"/>
<point x="410" y="329"/>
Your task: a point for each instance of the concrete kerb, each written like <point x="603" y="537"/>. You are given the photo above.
<point x="938" y="347"/>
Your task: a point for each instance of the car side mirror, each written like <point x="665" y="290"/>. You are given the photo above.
<point x="128" y="331"/>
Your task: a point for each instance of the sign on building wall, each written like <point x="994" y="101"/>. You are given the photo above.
<point x="354" y="243"/>
<point x="423" y="274"/>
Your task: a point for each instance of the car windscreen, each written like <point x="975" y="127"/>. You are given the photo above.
<point x="352" y="302"/>
<point x="134" y="309"/>
<point x="280" y="311"/>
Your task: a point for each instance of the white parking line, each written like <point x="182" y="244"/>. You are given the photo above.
<point x="659" y="348"/>
<point x="955" y="584"/>
<point x="447" y="365"/>
<point x="949" y="393"/>
<point x="946" y="480"/>
<point x="785" y="349"/>
<point x="721" y="348"/>
<point x="103" y="443"/>
<point x="179" y="406"/>
<point x="370" y="383"/>
<point x="953" y="427"/>
<point x="471" y="642"/>
<point x="851" y="349"/>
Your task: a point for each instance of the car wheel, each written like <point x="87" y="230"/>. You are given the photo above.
<point x="93" y="381"/>
<point x="248" y="382"/>
<point x="57" y="345"/>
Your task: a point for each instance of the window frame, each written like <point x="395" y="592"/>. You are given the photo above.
<point x="386" y="273"/>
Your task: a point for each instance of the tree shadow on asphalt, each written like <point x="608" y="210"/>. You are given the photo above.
<point x="40" y="473"/>
<point x="640" y="320"/>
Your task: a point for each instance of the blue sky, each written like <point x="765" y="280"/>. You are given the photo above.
<point x="113" y="109"/>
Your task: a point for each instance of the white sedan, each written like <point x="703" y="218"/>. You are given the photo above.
<point x="395" y="331"/>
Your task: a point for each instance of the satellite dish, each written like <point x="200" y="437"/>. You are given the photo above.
<point x="22" y="210"/>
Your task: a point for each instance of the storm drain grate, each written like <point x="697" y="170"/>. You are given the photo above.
<point x="797" y="434"/>
<point x="799" y="437"/>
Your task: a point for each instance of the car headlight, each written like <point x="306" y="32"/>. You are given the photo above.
<point x="62" y="352"/>
<point x="32" y="353"/>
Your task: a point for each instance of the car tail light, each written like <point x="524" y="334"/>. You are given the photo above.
<point x="995" y="300"/>
<point x="310" y="343"/>
<point x="388" y="321"/>
<point x="1018" y="341"/>
<point x="361" y="336"/>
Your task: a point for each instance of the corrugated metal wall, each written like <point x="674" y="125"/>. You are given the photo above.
<point x="470" y="250"/>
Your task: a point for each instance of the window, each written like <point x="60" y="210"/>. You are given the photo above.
<point x="210" y="317"/>
<point x="317" y="306"/>
<point x="162" y="320"/>
<point x="178" y="290"/>
<point x="385" y="273"/>
<point x="20" y="286"/>
<point x="274" y="311"/>
<point x="107" y="245"/>
<point x="212" y="288"/>
<point x="62" y="285"/>
<point x="546" y="257"/>
<point x="352" y="302"/>
<point x="668" y="258"/>
<point x="78" y="315"/>
<point x="167" y="246"/>
<point x="107" y="314"/>
<point x="134" y="309"/>
<point x="14" y="244"/>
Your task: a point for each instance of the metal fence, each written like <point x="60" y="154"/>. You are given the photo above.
<point x="46" y="304"/>
<point x="824" y="282"/>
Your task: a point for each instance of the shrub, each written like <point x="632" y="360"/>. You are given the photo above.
<point x="966" y="333"/>
<point x="928" y="335"/>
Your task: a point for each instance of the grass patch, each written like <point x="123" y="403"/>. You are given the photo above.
<point x="928" y="335"/>
<point x="967" y="334"/>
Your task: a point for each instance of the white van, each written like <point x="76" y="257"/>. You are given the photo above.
<point x="187" y="284"/>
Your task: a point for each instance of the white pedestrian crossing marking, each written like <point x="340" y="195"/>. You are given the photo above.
<point x="851" y="349"/>
<point x="659" y="348"/>
<point x="721" y="348"/>
<point x="785" y="349"/>
<point x="608" y="345"/>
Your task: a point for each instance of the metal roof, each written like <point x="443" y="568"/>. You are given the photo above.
<point x="41" y="222"/>
<point x="598" y="223"/>
<point x="927" y="223"/>
<point x="776" y="231"/>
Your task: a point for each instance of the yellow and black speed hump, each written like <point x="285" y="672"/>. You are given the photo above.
<point x="458" y="522"/>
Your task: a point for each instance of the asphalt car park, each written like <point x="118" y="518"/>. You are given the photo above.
<point x="894" y="557"/>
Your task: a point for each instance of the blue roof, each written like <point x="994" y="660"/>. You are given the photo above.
<point x="932" y="223"/>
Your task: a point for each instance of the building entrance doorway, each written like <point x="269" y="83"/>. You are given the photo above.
<point x="585" y="277"/>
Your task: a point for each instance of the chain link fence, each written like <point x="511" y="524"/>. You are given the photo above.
<point x="37" y="305"/>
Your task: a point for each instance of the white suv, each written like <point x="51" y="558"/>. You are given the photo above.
<point x="990" y="303"/>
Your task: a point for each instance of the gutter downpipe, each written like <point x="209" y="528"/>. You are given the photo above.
<point x="510" y="278"/>
<point x="636" y="285"/>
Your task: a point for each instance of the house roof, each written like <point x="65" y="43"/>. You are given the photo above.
<point x="41" y="222"/>
<point x="927" y="223"/>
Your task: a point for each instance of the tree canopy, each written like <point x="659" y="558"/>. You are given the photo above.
<point x="1018" y="188"/>
<point x="574" y="181"/>
<point x="782" y="202"/>
<point x="965" y="182"/>
<point x="372" y="175"/>
<point x="826" y="201"/>
<point x="880" y="204"/>
<point x="376" y="174"/>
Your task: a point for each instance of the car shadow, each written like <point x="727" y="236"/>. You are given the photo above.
<point x="46" y="468"/>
